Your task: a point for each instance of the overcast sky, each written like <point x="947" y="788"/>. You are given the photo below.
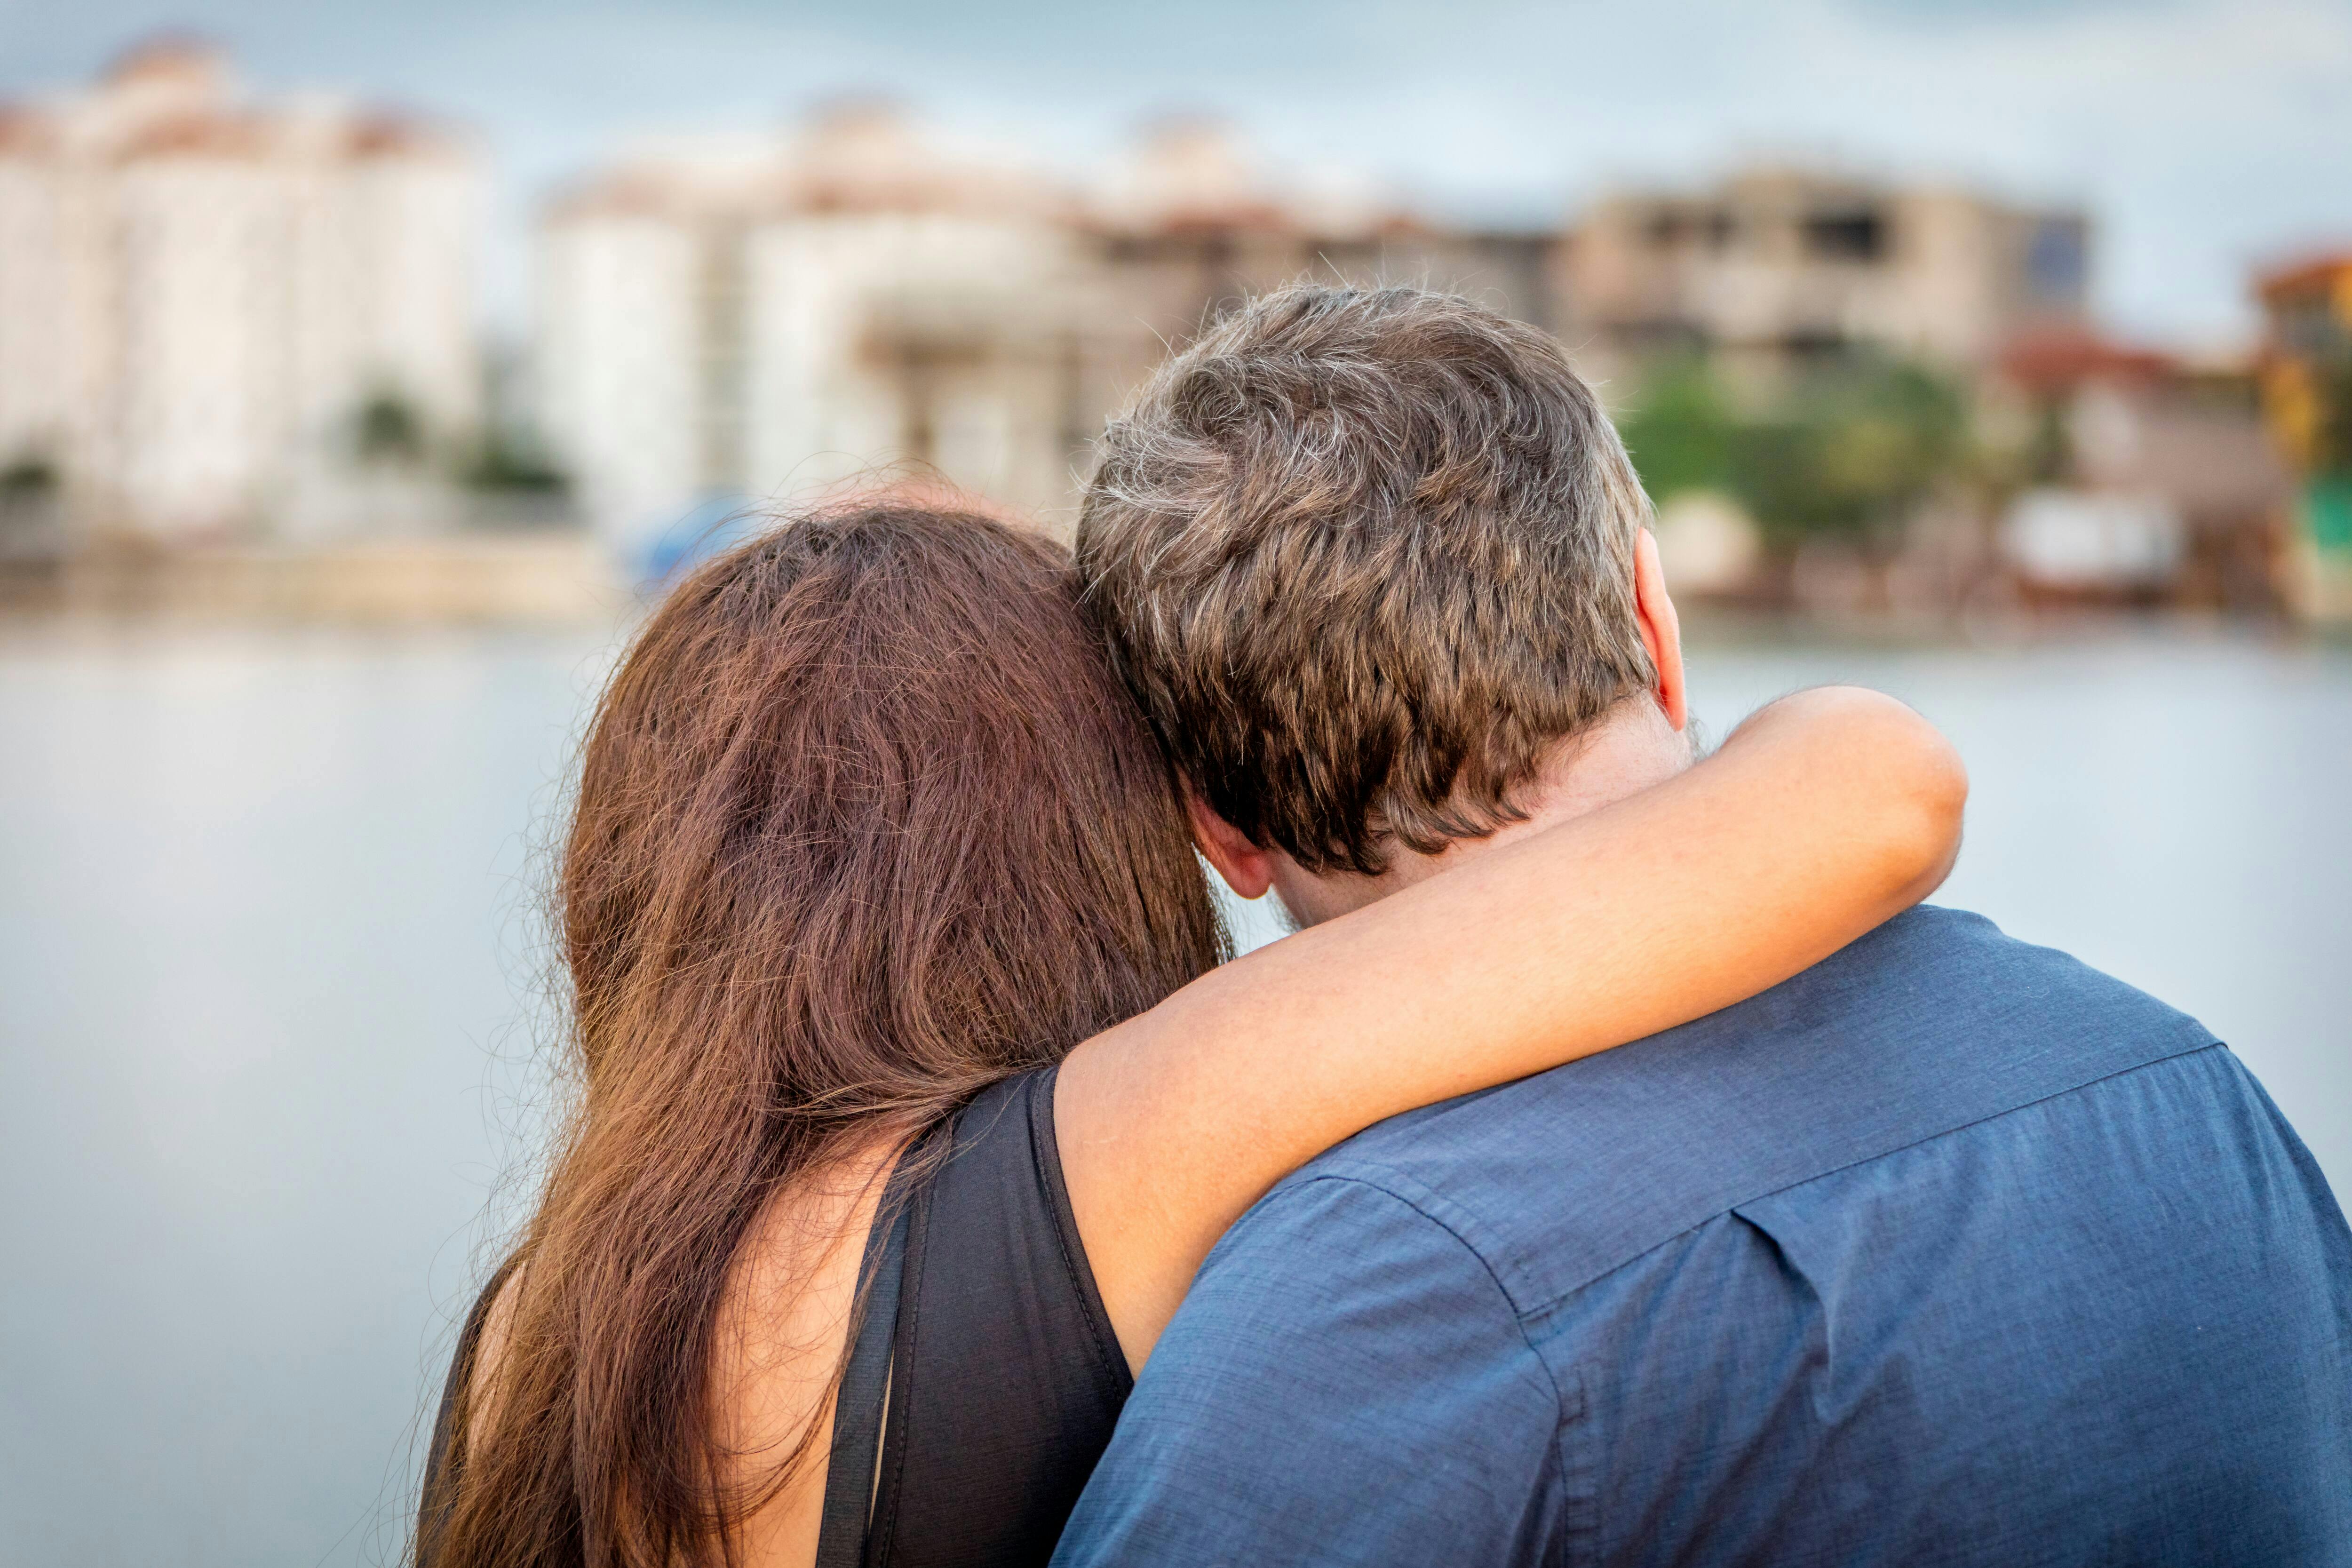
<point x="2206" y="136"/>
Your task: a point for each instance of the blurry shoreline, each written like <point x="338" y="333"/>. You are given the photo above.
<point x="1706" y="626"/>
<point x="555" y="580"/>
<point x="566" y="586"/>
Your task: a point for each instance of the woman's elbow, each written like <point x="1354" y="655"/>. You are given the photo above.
<point x="1879" y="777"/>
<point x="1927" y="792"/>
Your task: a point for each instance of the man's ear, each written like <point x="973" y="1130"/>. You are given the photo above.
<point x="1661" y="630"/>
<point x="1247" y="870"/>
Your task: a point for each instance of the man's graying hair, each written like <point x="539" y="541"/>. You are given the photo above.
<point x="1364" y="556"/>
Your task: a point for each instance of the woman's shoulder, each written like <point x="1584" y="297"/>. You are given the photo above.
<point x="472" y="1372"/>
<point x="997" y="1216"/>
<point x="1002" y="1170"/>
<point x="1005" y="1110"/>
<point x="1001" y="1331"/>
<point x="1020" y="1090"/>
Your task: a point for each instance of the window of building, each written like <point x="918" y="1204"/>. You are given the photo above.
<point x="1816" y="345"/>
<point x="1846" y="235"/>
<point x="2054" y="260"/>
<point x="2306" y="326"/>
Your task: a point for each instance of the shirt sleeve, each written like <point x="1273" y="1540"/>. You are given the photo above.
<point x="1346" y="1383"/>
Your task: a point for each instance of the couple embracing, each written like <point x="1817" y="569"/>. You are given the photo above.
<point x="1616" y="1165"/>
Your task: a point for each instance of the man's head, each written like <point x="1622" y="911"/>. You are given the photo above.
<point x="1369" y="558"/>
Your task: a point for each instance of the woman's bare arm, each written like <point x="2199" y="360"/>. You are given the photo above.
<point x="1825" y="814"/>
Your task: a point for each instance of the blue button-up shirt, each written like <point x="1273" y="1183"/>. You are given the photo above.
<point x="1950" y="1251"/>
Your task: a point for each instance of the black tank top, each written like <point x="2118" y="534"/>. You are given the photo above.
<point x="1003" y="1376"/>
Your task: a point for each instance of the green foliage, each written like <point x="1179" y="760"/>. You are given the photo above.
<point x="1846" y="447"/>
<point x="29" y="478"/>
<point x="507" y="462"/>
<point x="2331" y="443"/>
<point x="1681" y="434"/>
<point x="387" y="430"/>
<point x="2051" y="452"/>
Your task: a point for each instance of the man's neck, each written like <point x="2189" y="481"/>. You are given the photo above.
<point x="1630" y="749"/>
<point x="1625" y="753"/>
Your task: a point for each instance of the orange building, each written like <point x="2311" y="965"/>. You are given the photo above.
<point x="2308" y="399"/>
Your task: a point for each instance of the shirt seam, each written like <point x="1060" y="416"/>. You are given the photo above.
<point x="1551" y="1303"/>
<point x="1518" y="1319"/>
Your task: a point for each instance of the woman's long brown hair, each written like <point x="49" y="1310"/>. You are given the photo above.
<point x="864" y="823"/>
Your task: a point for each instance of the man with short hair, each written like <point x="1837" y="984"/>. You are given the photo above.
<point x="1948" y="1250"/>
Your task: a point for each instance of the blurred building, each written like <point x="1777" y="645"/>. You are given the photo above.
<point x="209" y="309"/>
<point x="2149" y="475"/>
<point x="755" y="323"/>
<point x="1775" y="267"/>
<point x="2307" y="396"/>
<point x="721" y="325"/>
<point x="1190" y="223"/>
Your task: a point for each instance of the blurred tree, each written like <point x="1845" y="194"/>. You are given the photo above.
<point x="31" y="518"/>
<point x="29" y="478"/>
<point x="387" y="429"/>
<point x="1849" y="446"/>
<point x="506" y="460"/>
<point x="2331" y="430"/>
<point x="2049" y="455"/>
<point x="1681" y="433"/>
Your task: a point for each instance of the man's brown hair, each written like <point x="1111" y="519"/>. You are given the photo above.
<point x="1364" y="556"/>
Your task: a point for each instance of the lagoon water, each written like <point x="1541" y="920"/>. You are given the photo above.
<point x="269" y="980"/>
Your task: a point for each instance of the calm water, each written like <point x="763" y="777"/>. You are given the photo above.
<point x="267" y="973"/>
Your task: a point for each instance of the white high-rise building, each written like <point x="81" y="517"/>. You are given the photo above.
<point x="753" y="325"/>
<point x="748" y="322"/>
<point x="216" y="316"/>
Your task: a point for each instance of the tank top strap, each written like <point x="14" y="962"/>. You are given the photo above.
<point x="858" y="1406"/>
<point x="1006" y="1377"/>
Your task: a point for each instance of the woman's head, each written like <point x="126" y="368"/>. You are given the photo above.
<point x="874" y="769"/>
<point x="865" y="822"/>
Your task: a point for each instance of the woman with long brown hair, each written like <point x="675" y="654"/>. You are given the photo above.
<point x="869" y="845"/>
